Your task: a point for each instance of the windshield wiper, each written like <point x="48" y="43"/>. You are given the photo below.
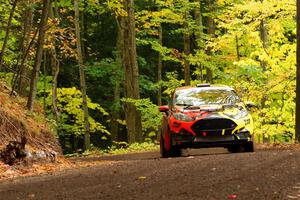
<point x="183" y="104"/>
<point x="186" y="106"/>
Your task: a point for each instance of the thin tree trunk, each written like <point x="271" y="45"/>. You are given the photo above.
<point x="39" y="54"/>
<point x="11" y="14"/>
<point x="82" y="78"/>
<point x="187" y="51"/>
<point x="115" y="113"/>
<point x="23" y="71"/>
<point x="264" y="40"/>
<point x="55" y="71"/>
<point x="83" y="30"/>
<point x="263" y="63"/>
<point x="159" y="66"/>
<point x="297" y="121"/>
<point x="199" y="25"/>
<point x="114" y="130"/>
<point x="199" y="34"/>
<point x="22" y="44"/>
<point x="56" y="13"/>
<point x="21" y="81"/>
<point x="129" y="61"/>
<point x="237" y="48"/>
<point x="44" y="82"/>
<point x="211" y="33"/>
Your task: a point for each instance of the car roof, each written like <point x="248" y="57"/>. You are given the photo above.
<point x="213" y="87"/>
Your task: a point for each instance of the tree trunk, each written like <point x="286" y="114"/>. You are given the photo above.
<point x="263" y="63"/>
<point x="21" y="80"/>
<point x="82" y="78"/>
<point x="114" y="130"/>
<point x="84" y="35"/>
<point x="211" y="32"/>
<point x="297" y="127"/>
<point x="12" y="11"/>
<point x="199" y="26"/>
<point x="199" y="34"/>
<point x="237" y="48"/>
<point x="264" y="40"/>
<point x="55" y="71"/>
<point x="44" y="81"/>
<point x="129" y="61"/>
<point x="159" y="67"/>
<point x="39" y="54"/>
<point x="187" y="51"/>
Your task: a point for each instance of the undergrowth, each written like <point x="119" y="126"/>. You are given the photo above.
<point x="116" y="149"/>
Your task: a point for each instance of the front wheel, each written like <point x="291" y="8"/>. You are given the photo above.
<point x="167" y="149"/>
<point x="249" y="147"/>
<point x="246" y="147"/>
<point x="234" y="149"/>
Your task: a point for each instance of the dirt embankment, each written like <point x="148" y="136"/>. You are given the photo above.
<point x="24" y="136"/>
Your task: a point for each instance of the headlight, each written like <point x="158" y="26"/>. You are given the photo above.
<point x="183" y="117"/>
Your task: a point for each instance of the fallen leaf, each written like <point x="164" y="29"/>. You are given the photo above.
<point x="31" y="195"/>
<point x="142" y="177"/>
<point x="232" y="196"/>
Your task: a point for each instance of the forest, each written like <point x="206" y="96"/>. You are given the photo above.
<point x="98" y="69"/>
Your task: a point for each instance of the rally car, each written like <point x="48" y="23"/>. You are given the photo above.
<point x="205" y="116"/>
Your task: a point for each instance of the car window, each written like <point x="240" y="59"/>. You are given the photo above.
<point x="203" y="96"/>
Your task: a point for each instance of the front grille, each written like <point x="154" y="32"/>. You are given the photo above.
<point x="214" y="127"/>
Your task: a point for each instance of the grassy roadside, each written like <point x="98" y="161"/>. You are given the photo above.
<point x="117" y="149"/>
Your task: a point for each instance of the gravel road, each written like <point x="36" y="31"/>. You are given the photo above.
<point x="199" y="174"/>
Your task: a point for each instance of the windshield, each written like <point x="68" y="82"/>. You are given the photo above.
<point x="204" y="96"/>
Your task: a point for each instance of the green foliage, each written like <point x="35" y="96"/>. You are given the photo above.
<point x="118" y="148"/>
<point x="171" y="83"/>
<point x="11" y="53"/>
<point x="44" y="85"/>
<point x="151" y="117"/>
<point x="106" y="68"/>
<point x="69" y="104"/>
<point x="272" y="89"/>
<point x="6" y="77"/>
<point x="135" y="147"/>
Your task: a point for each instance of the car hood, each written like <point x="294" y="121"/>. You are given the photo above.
<point x="211" y="110"/>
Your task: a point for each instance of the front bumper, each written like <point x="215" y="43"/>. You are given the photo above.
<point x="190" y="141"/>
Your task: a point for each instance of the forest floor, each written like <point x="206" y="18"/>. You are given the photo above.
<point x="269" y="173"/>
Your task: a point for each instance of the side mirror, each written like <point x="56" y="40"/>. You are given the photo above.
<point x="164" y="108"/>
<point x="250" y="104"/>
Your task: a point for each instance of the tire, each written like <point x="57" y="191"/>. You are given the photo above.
<point x="246" y="147"/>
<point x="172" y="152"/>
<point x="249" y="147"/>
<point x="234" y="149"/>
<point x="163" y="152"/>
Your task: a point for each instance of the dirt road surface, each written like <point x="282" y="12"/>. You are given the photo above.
<point x="200" y="174"/>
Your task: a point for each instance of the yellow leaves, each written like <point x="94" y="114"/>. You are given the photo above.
<point x="121" y="122"/>
<point x="117" y="7"/>
<point x="63" y="10"/>
<point x="70" y="106"/>
<point x="62" y="38"/>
